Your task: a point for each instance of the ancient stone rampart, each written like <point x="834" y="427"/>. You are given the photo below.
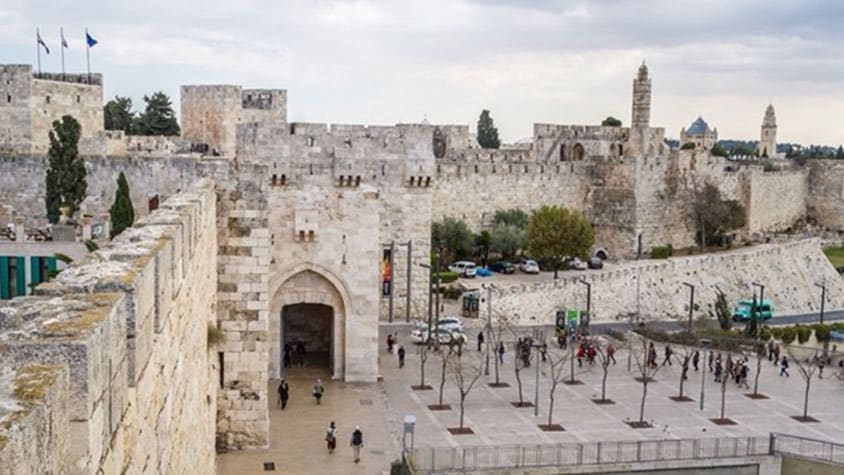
<point x="788" y="272"/>
<point x="110" y="365"/>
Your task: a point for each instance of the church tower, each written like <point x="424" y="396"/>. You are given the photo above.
<point x="768" y="139"/>
<point x="641" y="116"/>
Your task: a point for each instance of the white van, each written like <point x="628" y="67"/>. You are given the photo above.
<point x="464" y="268"/>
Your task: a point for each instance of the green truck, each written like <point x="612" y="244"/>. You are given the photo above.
<point x="744" y="310"/>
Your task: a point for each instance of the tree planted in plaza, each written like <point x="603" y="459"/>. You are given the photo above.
<point x="487" y="132"/>
<point x="518" y="365"/>
<point x="465" y="375"/>
<point x="65" y="181"/>
<point x="122" y="212"/>
<point x="808" y="363"/>
<point x="158" y="118"/>
<point x="605" y="355"/>
<point x="555" y="361"/>
<point x="555" y="232"/>
<point x="452" y="238"/>
<point x="118" y="115"/>
<point x="683" y="355"/>
<point x="713" y="215"/>
<point x="647" y="367"/>
<point x="495" y="333"/>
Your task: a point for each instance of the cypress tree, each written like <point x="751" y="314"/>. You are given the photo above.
<point x="487" y="132"/>
<point x="66" y="185"/>
<point x="122" y="212"/>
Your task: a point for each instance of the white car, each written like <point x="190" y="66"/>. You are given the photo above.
<point x="450" y="323"/>
<point x="529" y="267"/>
<point x="576" y="264"/>
<point x="464" y="268"/>
<point x="442" y="335"/>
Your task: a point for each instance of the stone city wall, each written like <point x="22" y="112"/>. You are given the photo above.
<point x="128" y="324"/>
<point x="788" y="271"/>
<point x="825" y="200"/>
<point x="778" y="199"/>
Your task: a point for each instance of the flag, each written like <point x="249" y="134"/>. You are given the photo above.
<point x="90" y="40"/>
<point x="41" y="41"/>
<point x="64" y="41"/>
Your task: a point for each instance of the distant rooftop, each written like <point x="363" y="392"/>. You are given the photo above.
<point x="698" y="127"/>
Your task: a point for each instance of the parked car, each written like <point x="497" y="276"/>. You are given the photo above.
<point x="442" y="336"/>
<point x="595" y="263"/>
<point x="576" y="264"/>
<point x="529" y="266"/>
<point x="464" y="268"/>
<point x="450" y="323"/>
<point x="502" y="267"/>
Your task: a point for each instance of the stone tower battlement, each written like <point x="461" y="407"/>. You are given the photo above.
<point x="30" y="102"/>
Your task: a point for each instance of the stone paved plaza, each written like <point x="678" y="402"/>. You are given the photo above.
<point x="297" y="445"/>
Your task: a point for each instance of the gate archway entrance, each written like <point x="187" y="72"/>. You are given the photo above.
<point x="307" y="335"/>
<point x="308" y="306"/>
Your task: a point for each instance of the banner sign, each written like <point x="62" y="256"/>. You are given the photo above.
<point x="387" y="272"/>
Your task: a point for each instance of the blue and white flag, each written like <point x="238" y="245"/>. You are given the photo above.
<point x="64" y="41"/>
<point x="41" y="41"/>
<point x="90" y="39"/>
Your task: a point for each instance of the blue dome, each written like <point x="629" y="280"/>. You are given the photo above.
<point x="698" y="127"/>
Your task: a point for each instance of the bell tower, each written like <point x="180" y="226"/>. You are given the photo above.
<point x="641" y="115"/>
<point x="768" y="138"/>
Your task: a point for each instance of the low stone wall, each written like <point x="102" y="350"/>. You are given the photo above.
<point x="789" y="272"/>
<point x="126" y="331"/>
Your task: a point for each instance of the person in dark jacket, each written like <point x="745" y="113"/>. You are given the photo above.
<point x="283" y="394"/>
<point x="357" y="443"/>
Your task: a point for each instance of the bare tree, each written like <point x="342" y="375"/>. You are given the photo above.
<point x="683" y="357"/>
<point x="556" y="364"/>
<point x="423" y="354"/>
<point x="496" y="333"/>
<point x="519" y="364"/>
<point x="605" y="350"/>
<point x="723" y="420"/>
<point x="759" y="348"/>
<point x="647" y="368"/>
<point x="572" y="381"/>
<point x="465" y="376"/>
<point x="807" y="362"/>
<point x="446" y="351"/>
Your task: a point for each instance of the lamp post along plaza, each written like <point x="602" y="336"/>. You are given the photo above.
<point x="704" y="345"/>
<point x="823" y="299"/>
<point x="691" y="303"/>
<point x="488" y="325"/>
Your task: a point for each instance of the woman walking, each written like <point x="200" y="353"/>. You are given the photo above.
<point x="331" y="437"/>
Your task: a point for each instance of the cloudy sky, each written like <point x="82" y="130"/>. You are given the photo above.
<point x="528" y="61"/>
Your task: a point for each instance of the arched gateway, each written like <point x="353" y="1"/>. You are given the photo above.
<point x="309" y="305"/>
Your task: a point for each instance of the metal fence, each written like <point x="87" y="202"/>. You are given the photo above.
<point x="810" y="448"/>
<point x="433" y="459"/>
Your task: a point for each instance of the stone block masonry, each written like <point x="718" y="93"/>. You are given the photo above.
<point x="788" y="271"/>
<point x="133" y="391"/>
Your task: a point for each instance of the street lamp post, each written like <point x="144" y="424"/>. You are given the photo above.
<point x="691" y="302"/>
<point x="823" y="299"/>
<point x="489" y="288"/>
<point x="754" y="313"/>
<point x="539" y="348"/>
<point x="704" y="344"/>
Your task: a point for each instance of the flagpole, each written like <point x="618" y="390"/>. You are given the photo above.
<point x="38" y="49"/>
<point x="61" y="33"/>
<point x="88" y="55"/>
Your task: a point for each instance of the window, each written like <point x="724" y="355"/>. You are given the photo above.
<point x="48" y="99"/>
<point x="77" y="99"/>
<point x="8" y="98"/>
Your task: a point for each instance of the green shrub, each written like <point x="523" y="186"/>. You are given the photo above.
<point x="776" y="332"/>
<point x="688" y="146"/>
<point x="821" y="332"/>
<point x="788" y="334"/>
<point x="765" y="333"/>
<point x="662" y="252"/>
<point x="837" y="326"/>
<point x="803" y="333"/>
<point x="446" y="277"/>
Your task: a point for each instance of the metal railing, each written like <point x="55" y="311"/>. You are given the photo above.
<point x="808" y="448"/>
<point x="433" y="459"/>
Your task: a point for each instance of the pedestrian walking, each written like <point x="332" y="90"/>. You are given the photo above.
<point x="331" y="437"/>
<point x="611" y="353"/>
<point x="718" y="370"/>
<point x="357" y="443"/>
<point x="283" y="394"/>
<point x="501" y="352"/>
<point x="652" y="355"/>
<point x="480" y="340"/>
<point x="696" y="359"/>
<point x="288" y="357"/>
<point x="770" y="350"/>
<point x="668" y="353"/>
<point x="401" y="356"/>
<point x="777" y="354"/>
<point x="711" y="358"/>
<point x="744" y="372"/>
<point x="300" y="352"/>
<point x="390" y="342"/>
<point x="784" y="366"/>
<point x="318" y="390"/>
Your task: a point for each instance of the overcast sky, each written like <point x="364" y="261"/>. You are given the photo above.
<point x="382" y="62"/>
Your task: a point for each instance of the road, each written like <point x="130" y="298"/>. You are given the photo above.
<point x="675" y="325"/>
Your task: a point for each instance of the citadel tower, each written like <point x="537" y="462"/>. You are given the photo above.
<point x="768" y="138"/>
<point x="641" y="116"/>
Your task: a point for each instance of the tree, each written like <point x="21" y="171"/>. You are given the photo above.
<point x="465" y="376"/>
<point x="445" y="351"/>
<point x="719" y="151"/>
<point x="483" y="242"/>
<point x="601" y="350"/>
<point x="508" y="239"/>
<point x="722" y="310"/>
<point x="158" y="118"/>
<point x="495" y="333"/>
<point x="452" y="238"/>
<point x="759" y="348"/>
<point x="683" y="355"/>
<point x="487" y="132"/>
<point x="688" y="146"/>
<point x="714" y="215"/>
<point x="118" y="114"/>
<point x="839" y="154"/>
<point x="519" y="364"/>
<point x="512" y="217"/>
<point x="122" y="212"/>
<point x="647" y="371"/>
<point x="611" y="121"/>
<point x="807" y="366"/>
<point x="66" y="185"/>
<point x="554" y="232"/>
<point x="555" y="364"/>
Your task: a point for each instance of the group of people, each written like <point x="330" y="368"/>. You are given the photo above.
<point x="294" y="354"/>
<point x="391" y="343"/>
<point x="284" y="392"/>
<point x="738" y="370"/>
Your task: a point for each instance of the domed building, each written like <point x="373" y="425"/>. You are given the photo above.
<point x="699" y="134"/>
